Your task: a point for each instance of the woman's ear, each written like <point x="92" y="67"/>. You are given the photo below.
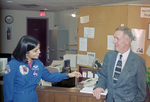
<point x="27" y="55"/>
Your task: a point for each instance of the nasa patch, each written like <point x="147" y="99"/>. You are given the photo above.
<point x="35" y="67"/>
<point x="35" y="73"/>
<point x="7" y="69"/>
<point x="24" y="70"/>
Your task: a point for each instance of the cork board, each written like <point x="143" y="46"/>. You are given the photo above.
<point x="135" y="21"/>
<point x="105" y="19"/>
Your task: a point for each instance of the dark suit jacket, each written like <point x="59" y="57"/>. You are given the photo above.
<point x="131" y="85"/>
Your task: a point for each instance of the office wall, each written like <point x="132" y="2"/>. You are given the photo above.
<point x="135" y="21"/>
<point x="105" y="19"/>
<point x="63" y="19"/>
<point x="65" y="22"/>
<point x="18" y="26"/>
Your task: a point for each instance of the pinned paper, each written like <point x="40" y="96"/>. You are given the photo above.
<point x="82" y="59"/>
<point x="148" y="51"/>
<point x="91" y="57"/>
<point x="89" y="32"/>
<point x="84" y="19"/>
<point x="138" y="42"/>
<point x="82" y="44"/>
<point x="110" y="45"/>
<point x="145" y="12"/>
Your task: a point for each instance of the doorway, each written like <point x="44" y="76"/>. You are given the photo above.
<point x="38" y="28"/>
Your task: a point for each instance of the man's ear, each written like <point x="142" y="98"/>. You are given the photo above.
<point x="127" y="40"/>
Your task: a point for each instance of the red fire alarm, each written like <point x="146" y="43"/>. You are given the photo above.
<point x="41" y="13"/>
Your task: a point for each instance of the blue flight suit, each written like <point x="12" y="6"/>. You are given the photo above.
<point x="20" y="81"/>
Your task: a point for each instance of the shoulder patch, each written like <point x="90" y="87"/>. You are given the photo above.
<point x="7" y="69"/>
<point x="24" y="70"/>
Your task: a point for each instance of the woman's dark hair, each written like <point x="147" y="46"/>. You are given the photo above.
<point x="23" y="47"/>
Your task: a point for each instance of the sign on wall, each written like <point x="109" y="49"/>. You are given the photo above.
<point x="145" y="12"/>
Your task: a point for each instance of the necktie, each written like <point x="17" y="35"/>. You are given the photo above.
<point x="117" y="70"/>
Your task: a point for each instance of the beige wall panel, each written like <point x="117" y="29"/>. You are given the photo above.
<point x="105" y="19"/>
<point x="136" y="22"/>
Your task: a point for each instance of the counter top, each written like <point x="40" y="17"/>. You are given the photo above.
<point x="1" y="82"/>
<point x="1" y="74"/>
<point x="62" y="94"/>
<point x="73" y="90"/>
<point x="1" y="79"/>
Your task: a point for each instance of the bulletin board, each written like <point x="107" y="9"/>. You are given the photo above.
<point x="136" y="21"/>
<point x="105" y="19"/>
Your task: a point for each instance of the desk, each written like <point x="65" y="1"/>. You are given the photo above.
<point x="1" y="92"/>
<point x="59" y="94"/>
<point x="1" y="89"/>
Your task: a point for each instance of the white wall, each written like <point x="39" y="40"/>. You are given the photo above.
<point x="62" y="19"/>
<point x="19" y="26"/>
<point x="65" y="21"/>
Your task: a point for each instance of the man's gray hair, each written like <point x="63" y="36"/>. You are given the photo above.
<point x="127" y="32"/>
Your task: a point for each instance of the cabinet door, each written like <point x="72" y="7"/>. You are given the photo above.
<point x="45" y="96"/>
<point x="88" y="99"/>
<point x="73" y="98"/>
<point x="1" y="94"/>
<point x="62" y="97"/>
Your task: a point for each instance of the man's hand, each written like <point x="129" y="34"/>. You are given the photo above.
<point x="97" y="93"/>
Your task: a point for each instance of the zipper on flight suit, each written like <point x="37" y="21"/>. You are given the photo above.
<point x="31" y="69"/>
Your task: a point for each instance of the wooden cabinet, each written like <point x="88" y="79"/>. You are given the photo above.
<point x="1" y="94"/>
<point x="59" y="94"/>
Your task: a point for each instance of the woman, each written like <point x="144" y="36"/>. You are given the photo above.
<point x="24" y="72"/>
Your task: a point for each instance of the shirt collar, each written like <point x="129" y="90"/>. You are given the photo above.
<point x="125" y="55"/>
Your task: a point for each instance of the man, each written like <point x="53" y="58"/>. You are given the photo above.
<point x="129" y="83"/>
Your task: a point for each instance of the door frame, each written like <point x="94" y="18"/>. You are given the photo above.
<point x="47" y="32"/>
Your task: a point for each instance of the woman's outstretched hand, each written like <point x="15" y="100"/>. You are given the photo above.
<point x="75" y="74"/>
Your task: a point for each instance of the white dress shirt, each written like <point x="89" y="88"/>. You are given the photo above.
<point x="124" y="59"/>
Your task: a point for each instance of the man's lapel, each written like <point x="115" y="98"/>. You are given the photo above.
<point x="127" y="67"/>
<point x="111" y="67"/>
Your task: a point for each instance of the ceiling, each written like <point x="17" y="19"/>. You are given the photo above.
<point x="60" y="5"/>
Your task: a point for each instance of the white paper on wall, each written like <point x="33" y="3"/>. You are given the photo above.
<point x="82" y="59"/>
<point x="138" y="42"/>
<point x="145" y="12"/>
<point x="89" y="32"/>
<point x="110" y="45"/>
<point x="91" y="57"/>
<point x="148" y="51"/>
<point x="82" y="44"/>
<point x="84" y="19"/>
